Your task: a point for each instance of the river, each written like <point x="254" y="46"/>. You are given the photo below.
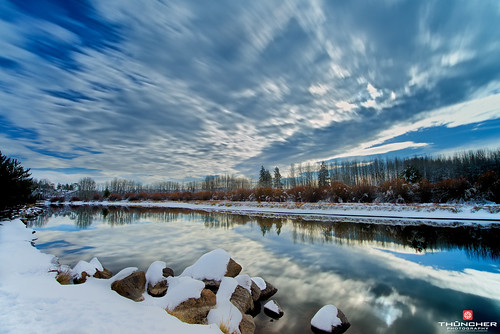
<point x="385" y="278"/>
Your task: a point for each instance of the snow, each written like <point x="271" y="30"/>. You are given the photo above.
<point x="89" y="267"/>
<point x="225" y="313"/>
<point x="432" y="214"/>
<point x="154" y="274"/>
<point x="181" y="289"/>
<point x="260" y="282"/>
<point x="32" y="301"/>
<point x="245" y="281"/>
<point x="326" y="318"/>
<point x="272" y="306"/>
<point x="210" y="266"/>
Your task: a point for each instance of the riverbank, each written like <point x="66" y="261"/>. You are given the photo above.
<point x="388" y="213"/>
<point x="32" y="301"/>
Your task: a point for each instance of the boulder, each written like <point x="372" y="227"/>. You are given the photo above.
<point x="80" y="279"/>
<point x="233" y="268"/>
<point x="242" y="299"/>
<point x="255" y="291"/>
<point x="132" y="286"/>
<point x="159" y="289"/>
<point x="167" y="272"/>
<point x="273" y="309"/>
<point x="195" y="311"/>
<point x="268" y="292"/>
<point x="104" y="273"/>
<point x="247" y="325"/>
<point x="329" y="320"/>
<point x="214" y="266"/>
<point x="212" y="285"/>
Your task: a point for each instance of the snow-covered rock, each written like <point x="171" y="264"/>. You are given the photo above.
<point x="214" y="266"/>
<point x="267" y="289"/>
<point x="181" y="289"/>
<point x="195" y="310"/>
<point x="132" y="286"/>
<point x="225" y="313"/>
<point x="32" y="301"/>
<point x="273" y="309"/>
<point x="156" y="282"/>
<point x="329" y="319"/>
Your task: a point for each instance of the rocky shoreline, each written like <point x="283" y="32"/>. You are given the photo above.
<point x="212" y="290"/>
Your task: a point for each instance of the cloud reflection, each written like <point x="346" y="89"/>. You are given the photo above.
<point x="312" y="264"/>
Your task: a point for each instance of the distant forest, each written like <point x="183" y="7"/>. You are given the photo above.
<point x="466" y="176"/>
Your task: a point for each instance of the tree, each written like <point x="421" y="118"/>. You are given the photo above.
<point x="293" y="180"/>
<point x="277" y="179"/>
<point x="86" y="188"/>
<point x="265" y="178"/>
<point x="323" y="175"/>
<point x="16" y="184"/>
<point x="411" y="174"/>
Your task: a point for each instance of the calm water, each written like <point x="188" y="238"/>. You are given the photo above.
<point x="386" y="279"/>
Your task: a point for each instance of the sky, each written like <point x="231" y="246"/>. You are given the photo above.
<point x="174" y="90"/>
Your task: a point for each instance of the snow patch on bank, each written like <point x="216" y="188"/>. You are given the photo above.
<point x="32" y="301"/>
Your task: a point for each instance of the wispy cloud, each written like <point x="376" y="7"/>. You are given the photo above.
<point x="180" y="89"/>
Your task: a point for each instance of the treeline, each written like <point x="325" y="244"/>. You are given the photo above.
<point x="467" y="176"/>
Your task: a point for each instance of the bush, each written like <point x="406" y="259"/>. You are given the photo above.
<point x="488" y="185"/>
<point x="338" y="192"/>
<point x="396" y="191"/>
<point x="75" y="199"/>
<point x="115" y="197"/>
<point x="363" y="193"/>
<point x="451" y="190"/>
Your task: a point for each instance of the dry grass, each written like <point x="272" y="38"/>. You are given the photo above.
<point x="64" y="277"/>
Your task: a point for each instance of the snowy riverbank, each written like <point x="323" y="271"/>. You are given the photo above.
<point x="432" y="214"/>
<point x="32" y="301"/>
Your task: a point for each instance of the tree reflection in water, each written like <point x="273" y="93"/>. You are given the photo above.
<point x="475" y="241"/>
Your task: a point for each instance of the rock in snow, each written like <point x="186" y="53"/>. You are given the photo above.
<point x="157" y="283"/>
<point x="132" y="286"/>
<point x="329" y="319"/>
<point x="213" y="265"/>
<point x="273" y="310"/>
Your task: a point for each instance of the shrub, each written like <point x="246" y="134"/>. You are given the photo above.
<point x="488" y="185"/>
<point x="75" y="199"/>
<point x="338" y="192"/>
<point x="363" y="193"/>
<point x="56" y="199"/>
<point x="115" y="197"/>
<point x="97" y="197"/>
<point x="451" y="190"/>
<point x="202" y="195"/>
<point x="396" y="191"/>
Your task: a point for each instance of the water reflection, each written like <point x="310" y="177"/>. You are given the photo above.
<point x="475" y="241"/>
<point x="387" y="279"/>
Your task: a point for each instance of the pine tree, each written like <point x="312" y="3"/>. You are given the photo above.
<point x="265" y="178"/>
<point x="277" y="179"/>
<point x="16" y="184"/>
<point x="323" y="175"/>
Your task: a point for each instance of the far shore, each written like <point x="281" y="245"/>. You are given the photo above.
<point x="431" y="214"/>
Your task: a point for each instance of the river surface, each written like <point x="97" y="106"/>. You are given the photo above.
<point x="385" y="278"/>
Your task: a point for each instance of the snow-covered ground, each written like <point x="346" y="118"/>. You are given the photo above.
<point x="32" y="301"/>
<point x="439" y="214"/>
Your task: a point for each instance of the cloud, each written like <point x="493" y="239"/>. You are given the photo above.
<point x="182" y="89"/>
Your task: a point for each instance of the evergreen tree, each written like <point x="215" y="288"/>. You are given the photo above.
<point x="16" y="184"/>
<point x="265" y="178"/>
<point x="323" y="175"/>
<point x="277" y="179"/>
